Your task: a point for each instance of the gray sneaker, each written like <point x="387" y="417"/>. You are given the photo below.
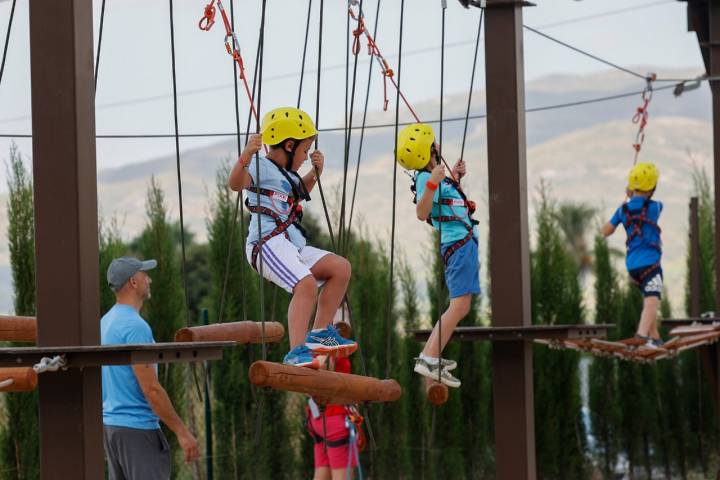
<point x="431" y="371"/>
<point x="446" y="363"/>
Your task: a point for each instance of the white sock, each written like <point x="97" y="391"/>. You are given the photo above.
<point x="317" y="330"/>
<point x="429" y="360"/>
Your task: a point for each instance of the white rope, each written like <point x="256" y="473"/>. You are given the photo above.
<point x="48" y="364"/>
<point x="6" y="383"/>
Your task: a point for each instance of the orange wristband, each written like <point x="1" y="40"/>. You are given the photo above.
<point x="430" y="185"/>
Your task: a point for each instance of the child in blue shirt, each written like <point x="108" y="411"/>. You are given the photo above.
<point x="639" y="215"/>
<point x="442" y="203"/>
<point x="276" y="245"/>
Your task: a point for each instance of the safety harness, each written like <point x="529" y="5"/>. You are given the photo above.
<point x="352" y="416"/>
<point x="452" y="202"/>
<point x="295" y="212"/>
<point x="633" y="221"/>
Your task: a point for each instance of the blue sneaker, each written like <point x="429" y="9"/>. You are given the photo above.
<point x="329" y="342"/>
<point x="301" y="356"/>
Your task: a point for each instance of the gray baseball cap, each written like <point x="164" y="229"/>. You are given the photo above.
<point x="121" y="269"/>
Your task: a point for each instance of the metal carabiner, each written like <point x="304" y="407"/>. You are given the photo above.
<point x="208" y="19"/>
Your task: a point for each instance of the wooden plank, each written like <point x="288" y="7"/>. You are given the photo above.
<point x="328" y="387"/>
<point x="694" y="329"/>
<point x="18" y="329"/>
<point x="240" y="332"/>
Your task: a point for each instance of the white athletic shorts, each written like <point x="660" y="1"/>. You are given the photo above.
<point x="283" y="263"/>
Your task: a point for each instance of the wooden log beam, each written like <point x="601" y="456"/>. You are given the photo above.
<point x="436" y="392"/>
<point x="240" y="332"/>
<point x="18" y="329"/>
<point x="327" y="387"/>
<point x="18" y="379"/>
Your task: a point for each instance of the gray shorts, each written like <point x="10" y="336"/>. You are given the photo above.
<point x="134" y="454"/>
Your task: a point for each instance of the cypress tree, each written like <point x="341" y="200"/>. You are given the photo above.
<point x="165" y="310"/>
<point x="556" y="299"/>
<point x="19" y="441"/>
<point x="603" y="394"/>
<point x="111" y="246"/>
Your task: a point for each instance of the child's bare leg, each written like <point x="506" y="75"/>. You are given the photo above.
<point x="335" y="270"/>
<point x="648" y="318"/>
<point x="301" y="307"/>
<point x="459" y="307"/>
<point x="341" y="474"/>
<point x="322" y="473"/>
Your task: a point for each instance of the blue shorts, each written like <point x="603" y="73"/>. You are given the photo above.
<point x="462" y="272"/>
<point x="649" y="280"/>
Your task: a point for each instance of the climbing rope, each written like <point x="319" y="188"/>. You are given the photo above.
<point x="472" y="83"/>
<point x="362" y="128"/>
<point x="7" y="39"/>
<point x="641" y="114"/>
<point x="99" y="47"/>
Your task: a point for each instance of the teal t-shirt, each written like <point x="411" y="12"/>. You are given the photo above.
<point x="124" y="404"/>
<point x="451" y="231"/>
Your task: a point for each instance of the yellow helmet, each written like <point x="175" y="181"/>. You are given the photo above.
<point x="285" y="123"/>
<point x="414" y="146"/>
<point x="643" y="177"/>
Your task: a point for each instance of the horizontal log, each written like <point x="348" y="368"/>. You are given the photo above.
<point x="436" y="392"/>
<point x="18" y="329"/>
<point x="328" y="387"/>
<point x="240" y="332"/>
<point x="17" y="379"/>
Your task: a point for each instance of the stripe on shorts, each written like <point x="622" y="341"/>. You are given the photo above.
<point x="278" y="267"/>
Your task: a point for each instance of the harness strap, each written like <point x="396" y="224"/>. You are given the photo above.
<point x="645" y="273"/>
<point x="636" y="219"/>
<point x="281" y="227"/>
<point x="456" y="246"/>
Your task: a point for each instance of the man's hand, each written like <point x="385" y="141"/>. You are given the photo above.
<point x="253" y="146"/>
<point x="189" y="445"/>
<point x="458" y="169"/>
<point x="318" y="161"/>
<point x="438" y="174"/>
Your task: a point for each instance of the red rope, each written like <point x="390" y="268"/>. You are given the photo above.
<point x="641" y="115"/>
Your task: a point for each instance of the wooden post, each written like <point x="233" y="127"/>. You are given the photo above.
<point x="509" y="239"/>
<point x="324" y="386"/>
<point x="66" y="232"/>
<point x="18" y="329"/>
<point x="240" y="332"/>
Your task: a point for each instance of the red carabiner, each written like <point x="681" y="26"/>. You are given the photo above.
<point x="208" y="19"/>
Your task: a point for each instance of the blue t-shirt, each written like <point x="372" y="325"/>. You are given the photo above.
<point x="272" y="179"/>
<point x="643" y="250"/>
<point x="124" y="404"/>
<point x="451" y="231"/>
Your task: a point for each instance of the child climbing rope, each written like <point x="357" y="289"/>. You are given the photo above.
<point x="639" y="215"/>
<point x="279" y="250"/>
<point x="442" y="203"/>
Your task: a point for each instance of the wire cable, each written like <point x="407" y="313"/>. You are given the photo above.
<point x="7" y="39"/>
<point x="305" y="44"/>
<point x="100" y="37"/>
<point x="472" y="83"/>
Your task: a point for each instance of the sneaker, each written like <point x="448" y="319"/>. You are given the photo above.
<point x="329" y="342"/>
<point x="446" y="363"/>
<point x="301" y="356"/>
<point x="431" y="371"/>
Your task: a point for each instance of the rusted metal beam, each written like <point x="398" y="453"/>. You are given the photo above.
<point x="240" y="332"/>
<point x="529" y="333"/>
<point x="127" y="354"/>
<point x="66" y="235"/>
<point x="509" y="243"/>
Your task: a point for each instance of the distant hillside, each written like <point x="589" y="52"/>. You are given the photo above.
<point x="583" y="152"/>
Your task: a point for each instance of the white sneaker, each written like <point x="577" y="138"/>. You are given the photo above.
<point x="431" y="371"/>
<point x="446" y="363"/>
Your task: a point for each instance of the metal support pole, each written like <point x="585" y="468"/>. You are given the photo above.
<point x="713" y="47"/>
<point x="509" y="244"/>
<point x="694" y="258"/>
<point x="208" y="411"/>
<point x="66" y="232"/>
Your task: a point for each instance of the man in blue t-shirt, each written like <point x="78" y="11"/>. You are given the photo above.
<point x="133" y="400"/>
<point x="639" y="215"/>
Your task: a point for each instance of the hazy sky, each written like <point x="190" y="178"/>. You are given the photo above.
<point x="134" y="90"/>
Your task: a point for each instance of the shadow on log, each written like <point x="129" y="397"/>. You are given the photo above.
<point x="325" y="387"/>
<point x="18" y="329"/>
<point x="240" y="332"/>
<point x="18" y="379"/>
